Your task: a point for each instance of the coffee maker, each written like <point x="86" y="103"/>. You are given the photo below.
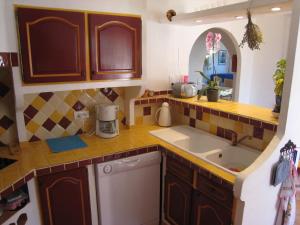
<point x="107" y="123"/>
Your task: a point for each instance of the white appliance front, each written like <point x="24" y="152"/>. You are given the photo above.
<point x="129" y="190"/>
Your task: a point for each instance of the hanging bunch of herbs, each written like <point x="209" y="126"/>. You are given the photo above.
<point x="253" y="36"/>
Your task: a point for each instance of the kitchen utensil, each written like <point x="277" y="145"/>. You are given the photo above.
<point x="107" y="123"/>
<point x="181" y="90"/>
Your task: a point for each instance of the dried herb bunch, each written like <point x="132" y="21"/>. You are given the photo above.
<point x="253" y="36"/>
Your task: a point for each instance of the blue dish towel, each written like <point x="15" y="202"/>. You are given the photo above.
<point x="65" y="143"/>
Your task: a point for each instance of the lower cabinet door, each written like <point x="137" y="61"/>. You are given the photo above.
<point x="65" y="198"/>
<point x="208" y="212"/>
<point x="177" y="201"/>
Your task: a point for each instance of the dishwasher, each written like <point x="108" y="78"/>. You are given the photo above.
<point x="128" y="190"/>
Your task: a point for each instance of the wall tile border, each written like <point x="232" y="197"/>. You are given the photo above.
<point x="9" y="59"/>
<point x="107" y="158"/>
<point x="73" y="165"/>
<point x="187" y="107"/>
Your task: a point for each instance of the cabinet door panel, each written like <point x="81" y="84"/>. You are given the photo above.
<point x="115" y="46"/>
<point x="65" y="198"/>
<point x="208" y="212"/>
<point x="177" y="201"/>
<point x="52" y="45"/>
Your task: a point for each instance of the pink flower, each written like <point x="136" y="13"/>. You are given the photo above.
<point x="218" y="38"/>
<point x="209" y="41"/>
<point x="213" y="41"/>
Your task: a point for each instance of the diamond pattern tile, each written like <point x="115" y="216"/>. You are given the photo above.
<point x="51" y="114"/>
<point x="109" y="93"/>
<point x="49" y="124"/>
<point x="8" y="132"/>
<point x="34" y="138"/>
<point x="4" y="89"/>
<point x="30" y="112"/>
<point x="38" y="103"/>
<point x="64" y="122"/>
<point x="56" y="116"/>
<point x="6" y="122"/>
<point x="78" y="106"/>
<point x="46" y="95"/>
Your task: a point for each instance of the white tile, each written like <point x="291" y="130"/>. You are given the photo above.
<point x="63" y="108"/>
<point x="40" y="118"/>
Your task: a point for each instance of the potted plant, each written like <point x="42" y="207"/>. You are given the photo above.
<point x="212" y="89"/>
<point x="278" y="78"/>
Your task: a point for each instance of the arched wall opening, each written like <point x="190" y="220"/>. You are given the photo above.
<point x="199" y="54"/>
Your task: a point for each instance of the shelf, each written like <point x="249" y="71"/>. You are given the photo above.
<point x="48" y="87"/>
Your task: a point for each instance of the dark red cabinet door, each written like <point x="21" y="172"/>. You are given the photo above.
<point x="65" y="198"/>
<point x="115" y="46"/>
<point x="52" y="45"/>
<point x="209" y="212"/>
<point x="178" y="196"/>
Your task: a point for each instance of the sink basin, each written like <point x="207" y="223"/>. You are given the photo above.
<point x="232" y="158"/>
<point x="4" y="162"/>
<point x="213" y="149"/>
<point x="190" y="139"/>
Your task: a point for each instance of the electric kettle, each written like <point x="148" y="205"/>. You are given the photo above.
<point x="181" y="90"/>
<point x="163" y="115"/>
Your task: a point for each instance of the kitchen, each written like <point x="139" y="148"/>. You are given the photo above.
<point x="51" y="105"/>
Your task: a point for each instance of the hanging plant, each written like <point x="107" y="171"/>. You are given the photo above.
<point x="253" y="36"/>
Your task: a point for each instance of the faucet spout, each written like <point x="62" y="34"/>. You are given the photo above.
<point x="236" y="141"/>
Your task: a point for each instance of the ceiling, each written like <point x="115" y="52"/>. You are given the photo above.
<point x="197" y="12"/>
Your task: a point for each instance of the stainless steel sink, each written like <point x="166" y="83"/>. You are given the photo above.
<point x="4" y="162"/>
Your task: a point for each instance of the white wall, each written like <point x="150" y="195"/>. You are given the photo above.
<point x="261" y="199"/>
<point x="276" y="32"/>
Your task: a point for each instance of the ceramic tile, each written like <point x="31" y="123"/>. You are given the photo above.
<point x="46" y="95"/>
<point x="38" y="103"/>
<point x="206" y="117"/>
<point x="56" y="116"/>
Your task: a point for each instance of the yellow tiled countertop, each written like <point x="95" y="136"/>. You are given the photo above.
<point x="240" y="109"/>
<point x="36" y="155"/>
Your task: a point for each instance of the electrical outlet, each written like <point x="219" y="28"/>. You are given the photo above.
<point x="81" y="115"/>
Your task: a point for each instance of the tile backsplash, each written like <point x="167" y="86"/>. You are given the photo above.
<point x="8" y="129"/>
<point x="51" y="114"/>
<point x="215" y="122"/>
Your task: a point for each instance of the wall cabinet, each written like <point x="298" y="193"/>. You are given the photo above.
<point x="115" y="46"/>
<point x="52" y="45"/>
<point x="65" y="198"/>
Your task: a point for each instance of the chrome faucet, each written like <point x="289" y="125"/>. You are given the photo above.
<point x="235" y="141"/>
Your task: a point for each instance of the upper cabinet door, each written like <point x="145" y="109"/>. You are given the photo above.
<point x="52" y="45"/>
<point x="115" y="46"/>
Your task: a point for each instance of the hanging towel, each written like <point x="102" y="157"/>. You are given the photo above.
<point x="287" y="198"/>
